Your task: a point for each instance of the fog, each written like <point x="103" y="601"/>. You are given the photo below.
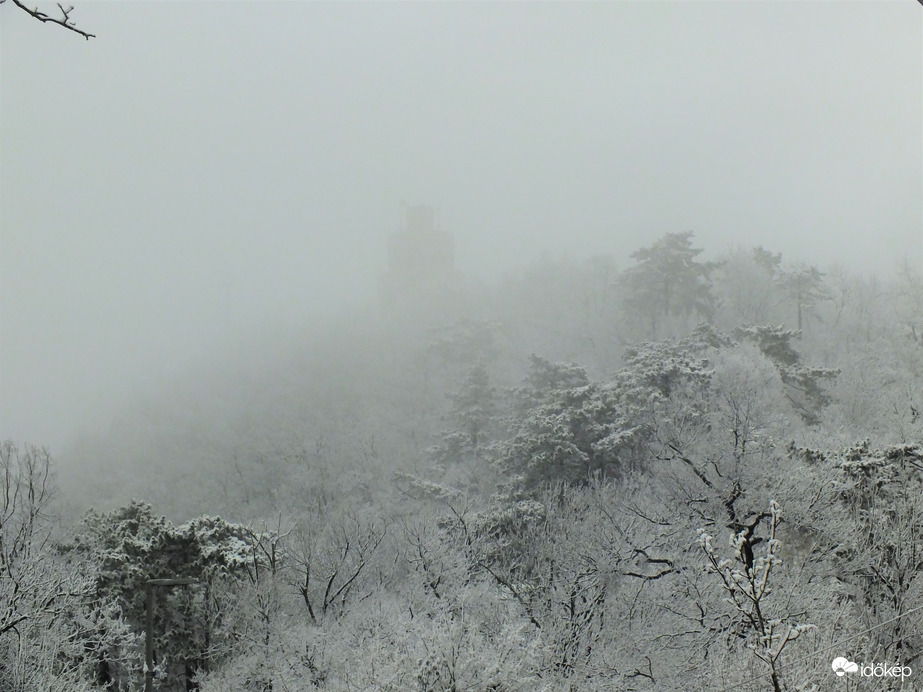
<point x="204" y="174"/>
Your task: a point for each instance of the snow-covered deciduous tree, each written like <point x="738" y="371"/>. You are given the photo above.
<point x="333" y="561"/>
<point x="746" y="289"/>
<point x="764" y="624"/>
<point x="910" y="311"/>
<point x="883" y="492"/>
<point x="25" y="521"/>
<point x="51" y="621"/>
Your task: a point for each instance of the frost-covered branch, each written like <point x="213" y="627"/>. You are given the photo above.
<point x="746" y="579"/>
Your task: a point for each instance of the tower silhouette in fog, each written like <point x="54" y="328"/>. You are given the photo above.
<point x="421" y="272"/>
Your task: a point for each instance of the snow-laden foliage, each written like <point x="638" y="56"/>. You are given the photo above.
<point x="760" y="621"/>
<point x="805" y="384"/>
<point x="130" y="546"/>
<point x="51" y="619"/>
<point x="562" y="427"/>
<point x="640" y="507"/>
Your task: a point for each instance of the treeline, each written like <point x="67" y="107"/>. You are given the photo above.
<point x="687" y="474"/>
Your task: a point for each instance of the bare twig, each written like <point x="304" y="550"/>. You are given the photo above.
<point x="64" y="20"/>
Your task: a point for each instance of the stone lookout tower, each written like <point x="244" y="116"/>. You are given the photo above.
<point x="421" y="265"/>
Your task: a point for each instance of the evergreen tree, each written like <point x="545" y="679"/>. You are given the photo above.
<point x="669" y="281"/>
<point x="804" y="286"/>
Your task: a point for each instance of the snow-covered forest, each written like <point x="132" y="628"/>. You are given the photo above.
<point x="461" y="346"/>
<point x="678" y="474"/>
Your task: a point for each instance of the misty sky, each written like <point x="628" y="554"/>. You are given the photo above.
<point x="205" y="170"/>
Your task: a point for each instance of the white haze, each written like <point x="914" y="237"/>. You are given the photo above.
<point x="206" y="173"/>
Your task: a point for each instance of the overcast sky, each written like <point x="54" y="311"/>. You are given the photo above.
<point x="201" y="166"/>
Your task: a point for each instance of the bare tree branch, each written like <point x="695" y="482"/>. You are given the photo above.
<point x="64" y="20"/>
